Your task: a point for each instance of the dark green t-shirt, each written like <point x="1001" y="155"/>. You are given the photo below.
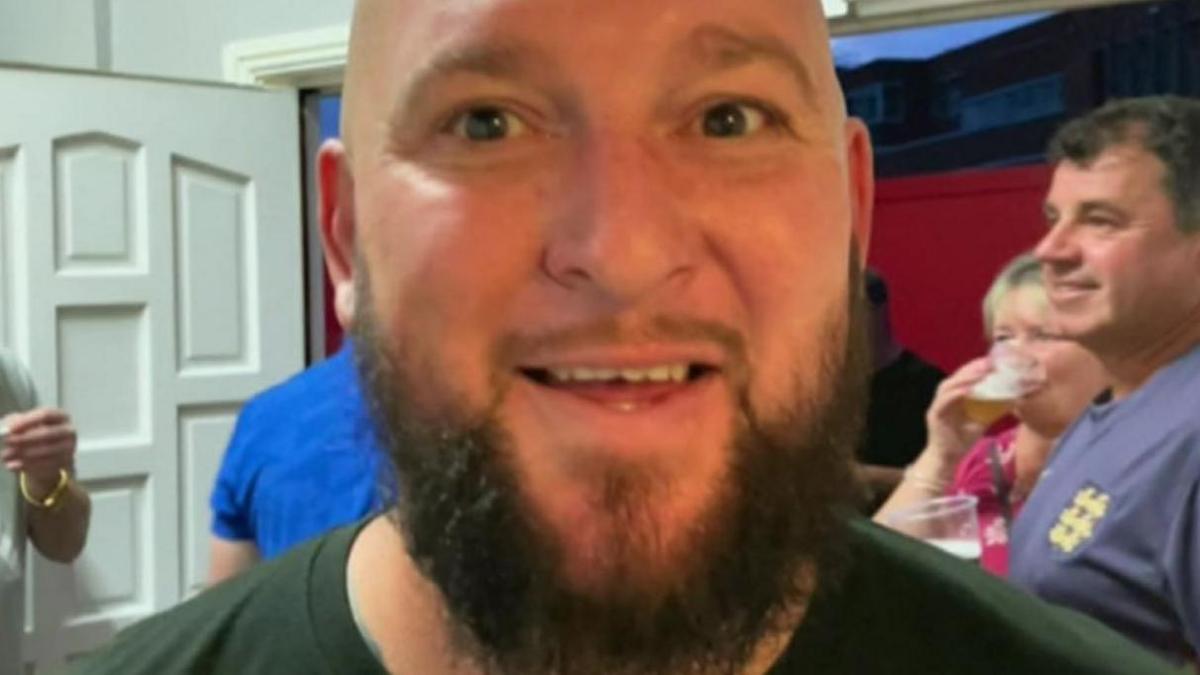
<point x="903" y="608"/>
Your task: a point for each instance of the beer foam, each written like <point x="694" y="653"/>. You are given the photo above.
<point x="1002" y="384"/>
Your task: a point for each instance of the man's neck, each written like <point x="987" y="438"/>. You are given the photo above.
<point x="1132" y="368"/>
<point x="400" y="610"/>
<point x="403" y="614"/>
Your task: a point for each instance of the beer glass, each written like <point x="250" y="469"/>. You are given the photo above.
<point x="948" y="523"/>
<point x="1014" y="373"/>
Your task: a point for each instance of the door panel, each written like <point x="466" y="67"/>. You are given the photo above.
<point x="151" y="277"/>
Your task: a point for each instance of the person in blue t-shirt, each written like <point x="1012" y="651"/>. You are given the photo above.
<point x="1113" y="527"/>
<point x="303" y="460"/>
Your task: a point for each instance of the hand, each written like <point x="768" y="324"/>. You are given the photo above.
<point x="40" y="442"/>
<point x="951" y="432"/>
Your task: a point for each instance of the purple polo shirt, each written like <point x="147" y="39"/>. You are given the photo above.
<point x="1113" y="527"/>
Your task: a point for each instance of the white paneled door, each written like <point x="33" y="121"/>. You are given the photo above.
<point x="151" y="277"/>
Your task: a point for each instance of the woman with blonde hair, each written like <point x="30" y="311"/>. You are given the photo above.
<point x="1001" y="469"/>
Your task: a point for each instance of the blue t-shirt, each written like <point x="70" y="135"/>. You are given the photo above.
<point x="303" y="460"/>
<point x="1113" y="527"/>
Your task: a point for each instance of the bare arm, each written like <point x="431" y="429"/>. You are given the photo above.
<point x="60" y="533"/>
<point x="880" y="480"/>
<point x="230" y="557"/>
<point x="41" y="445"/>
<point x="951" y="435"/>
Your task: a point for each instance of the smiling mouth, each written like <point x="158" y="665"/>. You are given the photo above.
<point x="585" y="377"/>
<point x="622" y="390"/>
<point x="1068" y="289"/>
<point x="1071" y="284"/>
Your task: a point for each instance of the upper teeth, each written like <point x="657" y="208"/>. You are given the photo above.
<point x="666" y="373"/>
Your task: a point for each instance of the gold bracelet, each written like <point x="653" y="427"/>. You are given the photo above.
<point x="51" y="500"/>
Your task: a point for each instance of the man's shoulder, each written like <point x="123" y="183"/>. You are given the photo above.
<point x="257" y="622"/>
<point x="320" y="402"/>
<point x="905" y="607"/>
<point x="1169" y="397"/>
<point x="324" y="377"/>
<point x="1158" y="416"/>
<point x="910" y="369"/>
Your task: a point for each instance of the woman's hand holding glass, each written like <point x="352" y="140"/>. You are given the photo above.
<point x="977" y="395"/>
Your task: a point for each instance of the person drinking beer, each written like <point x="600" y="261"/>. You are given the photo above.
<point x="1045" y="382"/>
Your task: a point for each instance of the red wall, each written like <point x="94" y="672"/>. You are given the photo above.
<point x="940" y="239"/>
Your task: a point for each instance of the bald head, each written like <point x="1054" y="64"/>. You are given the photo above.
<point x="399" y="48"/>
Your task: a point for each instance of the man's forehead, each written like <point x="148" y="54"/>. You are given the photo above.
<point x="706" y="46"/>
<point x="1115" y="165"/>
<point x="399" y="45"/>
<point x="486" y="7"/>
<point x="449" y="23"/>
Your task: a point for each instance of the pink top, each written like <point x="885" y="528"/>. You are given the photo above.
<point x="974" y="477"/>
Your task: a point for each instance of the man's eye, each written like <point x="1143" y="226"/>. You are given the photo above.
<point x="486" y="124"/>
<point x="733" y="119"/>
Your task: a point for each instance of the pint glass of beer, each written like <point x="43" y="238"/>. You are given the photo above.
<point x="948" y="523"/>
<point x="1013" y="374"/>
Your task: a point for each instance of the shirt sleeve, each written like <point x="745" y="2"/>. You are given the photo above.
<point x="1181" y="557"/>
<point x="233" y="489"/>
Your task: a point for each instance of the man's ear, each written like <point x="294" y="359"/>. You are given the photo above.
<point x="335" y="185"/>
<point x="860" y="173"/>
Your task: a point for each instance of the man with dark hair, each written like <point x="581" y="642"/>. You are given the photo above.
<point x="607" y="260"/>
<point x="902" y="387"/>
<point x="302" y="461"/>
<point x="1113" y="527"/>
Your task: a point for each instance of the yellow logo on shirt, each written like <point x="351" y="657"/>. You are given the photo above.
<point x="1078" y="521"/>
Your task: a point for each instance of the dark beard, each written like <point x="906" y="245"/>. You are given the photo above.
<point x="469" y="529"/>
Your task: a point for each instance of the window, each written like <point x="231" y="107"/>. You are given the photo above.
<point x="864" y="103"/>
<point x="1144" y="56"/>
<point x="947" y="103"/>
<point x="1123" y="65"/>
<point x="877" y="103"/>
<point x="1013" y="104"/>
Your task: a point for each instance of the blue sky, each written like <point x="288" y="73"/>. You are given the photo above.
<point x="924" y="42"/>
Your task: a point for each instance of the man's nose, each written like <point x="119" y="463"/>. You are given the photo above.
<point x="624" y="232"/>
<point x="1056" y="246"/>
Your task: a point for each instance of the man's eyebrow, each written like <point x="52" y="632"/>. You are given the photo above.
<point x="501" y="60"/>
<point x="1087" y="209"/>
<point x="1098" y="206"/>
<point x="721" y="48"/>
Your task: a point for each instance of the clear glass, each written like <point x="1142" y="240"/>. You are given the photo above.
<point x="1014" y="373"/>
<point x="949" y="523"/>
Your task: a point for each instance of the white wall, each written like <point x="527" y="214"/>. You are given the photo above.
<point x="184" y="38"/>
<point x="59" y="33"/>
<point x="167" y="38"/>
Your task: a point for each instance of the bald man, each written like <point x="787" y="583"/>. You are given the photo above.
<point x="605" y="258"/>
